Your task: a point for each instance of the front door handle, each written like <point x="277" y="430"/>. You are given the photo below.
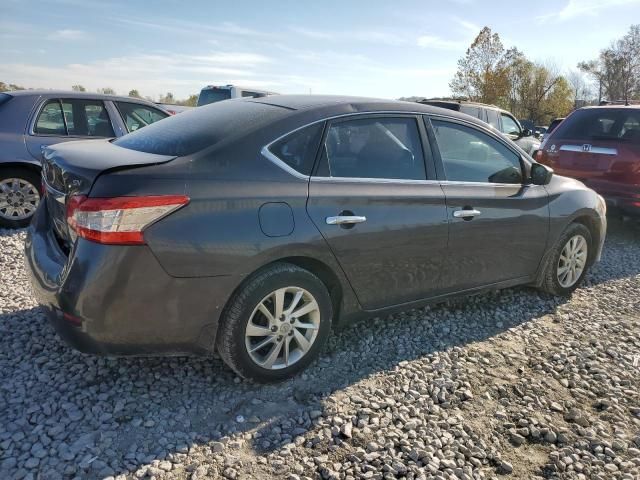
<point x="466" y="214"/>
<point x="345" y="220"/>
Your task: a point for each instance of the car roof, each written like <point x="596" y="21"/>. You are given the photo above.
<point x="612" y="106"/>
<point x="465" y="102"/>
<point x="330" y="104"/>
<point x="74" y="94"/>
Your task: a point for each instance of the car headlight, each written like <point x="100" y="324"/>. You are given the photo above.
<point x="601" y="207"/>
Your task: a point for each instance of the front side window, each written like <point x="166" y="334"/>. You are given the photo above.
<point x="87" y="118"/>
<point x="373" y="148"/>
<point x="509" y="125"/>
<point x="469" y="155"/>
<point x="50" y="120"/>
<point x="136" y="116"/>
<point x="299" y="149"/>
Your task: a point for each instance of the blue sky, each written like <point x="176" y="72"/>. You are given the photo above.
<point x="374" y="48"/>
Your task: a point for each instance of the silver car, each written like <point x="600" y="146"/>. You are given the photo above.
<point x="32" y="119"/>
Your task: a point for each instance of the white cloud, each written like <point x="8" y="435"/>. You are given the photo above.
<point x="152" y="74"/>
<point x="364" y="36"/>
<point x="67" y="34"/>
<point x="432" y="41"/>
<point x="576" y="8"/>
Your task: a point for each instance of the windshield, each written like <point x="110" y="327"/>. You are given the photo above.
<point x="619" y="124"/>
<point x="211" y="95"/>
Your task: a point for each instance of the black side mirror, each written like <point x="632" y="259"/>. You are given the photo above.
<point x="526" y="132"/>
<point x="540" y="174"/>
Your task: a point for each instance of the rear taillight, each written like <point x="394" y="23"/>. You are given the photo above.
<point x="119" y="220"/>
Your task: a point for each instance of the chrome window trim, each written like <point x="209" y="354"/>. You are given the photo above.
<point x="488" y="129"/>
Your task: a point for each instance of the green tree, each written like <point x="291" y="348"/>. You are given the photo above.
<point x="134" y="93"/>
<point x="482" y="73"/>
<point x="616" y="71"/>
<point x="78" y="88"/>
<point x="168" y="98"/>
<point x="192" y="101"/>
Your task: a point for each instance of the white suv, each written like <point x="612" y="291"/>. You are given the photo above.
<point x="216" y="93"/>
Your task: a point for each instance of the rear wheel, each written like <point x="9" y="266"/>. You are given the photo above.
<point x="19" y="196"/>
<point x="569" y="261"/>
<point x="276" y="324"/>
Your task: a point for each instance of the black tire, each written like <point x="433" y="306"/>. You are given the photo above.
<point x="24" y="174"/>
<point x="230" y="341"/>
<point x="550" y="281"/>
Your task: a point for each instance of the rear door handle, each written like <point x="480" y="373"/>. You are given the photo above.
<point x="345" y="220"/>
<point x="466" y="213"/>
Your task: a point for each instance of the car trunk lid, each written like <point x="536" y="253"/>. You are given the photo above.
<point x="71" y="169"/>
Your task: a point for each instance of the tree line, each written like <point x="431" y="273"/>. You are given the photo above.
<point x="190" y="101"/>
<point x="538" y="91"/>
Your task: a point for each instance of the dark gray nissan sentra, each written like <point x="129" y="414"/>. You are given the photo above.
<point x="254" y="226"/>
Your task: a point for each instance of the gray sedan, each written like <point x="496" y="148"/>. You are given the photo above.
<point x="253" y="227"/>
<point x="31" y="120"/>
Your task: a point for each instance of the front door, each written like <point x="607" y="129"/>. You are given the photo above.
<point x="498" y="225"/>
<point x="371" y="200"/>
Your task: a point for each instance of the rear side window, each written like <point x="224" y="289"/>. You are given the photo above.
<point x="212" y="95"/>
<point x="601" y="124"/>
<point x="87" y="118"/>
<point x="50" y="120"/>
<point x="136" y="116"/>
<point x="492" y="118"/>
<point x="374" y="148"/>
<point x="299" y="149"/>
<point x="473" y="111"/>
<point x="469" y="155"/>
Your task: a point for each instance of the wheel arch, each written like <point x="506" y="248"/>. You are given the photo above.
<point x="32" y="167"/>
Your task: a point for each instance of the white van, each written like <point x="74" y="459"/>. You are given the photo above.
<point x="216" y="93"/>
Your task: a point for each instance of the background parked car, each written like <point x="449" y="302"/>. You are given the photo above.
<point x="552" y="126"/>
<point x="31" y="120"/>
<point x="217" y="93"/>
<point x="174" y="109"/>
<point x="502" y="120"/>
<point x="601" y="147"/>
<point x="256" y="241"/>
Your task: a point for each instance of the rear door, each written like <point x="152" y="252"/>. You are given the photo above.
<point x="498" y="224"/>
<point x="62" y="120"/>
<point x="375" y="200"/>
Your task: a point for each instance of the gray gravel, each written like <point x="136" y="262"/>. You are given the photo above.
<point x="513" y="384"/>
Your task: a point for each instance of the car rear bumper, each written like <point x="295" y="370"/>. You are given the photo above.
<point x="118" y="300"/>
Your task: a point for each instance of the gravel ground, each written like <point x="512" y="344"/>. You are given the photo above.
<point x="513" y="384"/>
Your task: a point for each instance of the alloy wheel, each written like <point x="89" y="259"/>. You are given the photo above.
<point x="18" y="199"/>
<point x="282" y="328"/>
<point x="573" y="259"/>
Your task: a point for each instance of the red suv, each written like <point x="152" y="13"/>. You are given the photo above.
<point x="601" y="147"/>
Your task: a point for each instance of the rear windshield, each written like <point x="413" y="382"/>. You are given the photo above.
<point x="199" y="128"/>
<point x="619" y="124"/>
<point x="212" y="95"/>
<point x="4" y="98"/>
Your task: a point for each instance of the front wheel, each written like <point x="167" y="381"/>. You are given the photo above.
<point x="569" y="261"/>
<point x="276" y="324"/>
<point x="19" y="197"/>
